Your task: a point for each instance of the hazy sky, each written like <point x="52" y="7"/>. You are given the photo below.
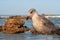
<point x="20" y="7"/>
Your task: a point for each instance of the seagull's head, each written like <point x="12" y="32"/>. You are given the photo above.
<point x="31" y="12"/>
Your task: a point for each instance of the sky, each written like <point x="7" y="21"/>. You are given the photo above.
<point x="21" y="7"/>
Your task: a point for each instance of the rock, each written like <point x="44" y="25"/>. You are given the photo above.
<point x="43" y="14"/>
<point x="14" y="21"/>
<point x="0" y="28"/>
<point x="15" y="17"/>
<point x="18" y="17"/>
<point x="14" y="24"/>
<point x="15" y="29"/>
<point x="26" y="29"/>
<point x="23" y="29"/>
<point x="58" y="31"/>
<point x="3" y="28"/>
<point x="33" y="31"/>
<point x="10" y="29"/>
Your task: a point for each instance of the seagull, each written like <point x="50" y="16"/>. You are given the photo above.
<point x="40" y="23"/>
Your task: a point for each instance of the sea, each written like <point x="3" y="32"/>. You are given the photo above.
<point x="27" y="35"/>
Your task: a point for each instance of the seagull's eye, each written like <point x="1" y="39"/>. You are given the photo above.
<point x="31" y="12"/>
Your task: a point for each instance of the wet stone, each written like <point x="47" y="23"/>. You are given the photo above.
<point x="14" y="25"/>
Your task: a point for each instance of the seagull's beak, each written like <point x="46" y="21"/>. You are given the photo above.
<point x="27" y="18"/>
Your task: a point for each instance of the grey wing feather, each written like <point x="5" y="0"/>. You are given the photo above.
<point x="48" y="23"/>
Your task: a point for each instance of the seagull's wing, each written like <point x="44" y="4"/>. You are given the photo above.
<point x="47" y="23"/>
